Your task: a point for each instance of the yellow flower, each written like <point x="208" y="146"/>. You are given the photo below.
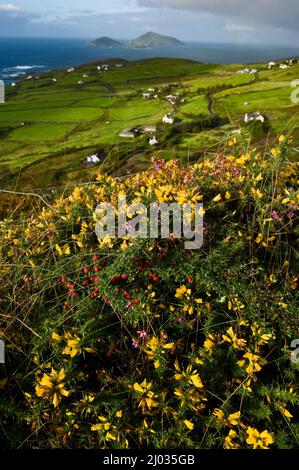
<point x="232" y="338"/>
<point x="234" y="419"/>
<point x="219" y="415"/>
<point x="182" y="292"/>
<point x="285" y="412"/>
<point x="65" y="250"/>
<point x="217" y="198"/>
<point x="228" y="441"/>
<point x="196" y="380"/>
<point x="51" y="387"/>
<point x="189" y="425"/>
<point x="259" y="440"/>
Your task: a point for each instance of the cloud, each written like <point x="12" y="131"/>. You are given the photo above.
<point x="8" y="7"/>
<point x="239" y="28"/>
<point x="278" y="13"/>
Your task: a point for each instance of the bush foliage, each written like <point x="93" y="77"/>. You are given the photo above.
<point x="140" y="343"/>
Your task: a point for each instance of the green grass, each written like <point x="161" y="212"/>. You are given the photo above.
<point x="65" y="122"/>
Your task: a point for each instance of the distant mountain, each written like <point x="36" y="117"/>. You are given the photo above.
<point x="105" y="42"/>
<point x="154" y="40"/>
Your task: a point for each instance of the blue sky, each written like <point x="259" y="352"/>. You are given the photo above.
<point x="239" y="21"/>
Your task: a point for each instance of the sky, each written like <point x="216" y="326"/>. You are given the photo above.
<point x="221" y="21"/>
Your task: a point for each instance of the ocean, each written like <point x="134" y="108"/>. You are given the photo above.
<point x="21" y="56"/>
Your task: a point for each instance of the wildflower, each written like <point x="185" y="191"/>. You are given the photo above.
<point x="142" y="334"/>
<point x="228" y="441"/>
<point x="234" y="419"/>
<point x="148" y="397"/>
<point x="182" y="292"/>
<point x="51" y="387"/>
<point x="189" y="425"/>
<point x="232" y="338"/>
<point x="219" y="415"/>
<point x="259" y="440"/>
<point x="285" y="412"/>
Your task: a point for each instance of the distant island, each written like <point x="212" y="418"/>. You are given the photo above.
<point x="154" y="40"/>
<point x="142" y="42"/>
<point x="105" y="42"/>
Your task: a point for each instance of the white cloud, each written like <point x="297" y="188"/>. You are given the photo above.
<point x="8" y="7"/>
<point x="239" y="28"/>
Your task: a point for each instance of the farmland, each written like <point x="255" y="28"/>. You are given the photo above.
<point x="50" y="123"/>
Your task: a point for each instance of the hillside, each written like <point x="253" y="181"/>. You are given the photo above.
<point x="50" y="126"/>
<point x="105" y="42"/>
<point x="154" y="40"/>
<point x="141" y="343"/>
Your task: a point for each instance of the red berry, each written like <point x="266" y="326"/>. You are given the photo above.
<point x="96" y="269"/>
<point x="96" y="258"/>
<point x="86" y="270"/>
<point x="156" y="279"/>
<point x="189" y="279"/>
<point x="124" y="277"/>
<point x="63" y="280"/>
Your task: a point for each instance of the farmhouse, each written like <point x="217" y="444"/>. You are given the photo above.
<point x="70" y="70"/>
<point x="146" y="95"/>
<point x="283" y="66"/>
<point x="13" y="84"/>
<point x="93" y="159"/>
<point x="249" y="117"/>
<point x="168" y="119"/>
<point x="128" y="133"/>
<point x="80" y="82"/>
<point x="148" y="129"/>
<point x="153" y="141"/>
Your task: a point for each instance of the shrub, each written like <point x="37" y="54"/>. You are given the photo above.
<point x="140" y="343"/>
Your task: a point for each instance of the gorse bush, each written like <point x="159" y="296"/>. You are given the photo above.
<point x="121" y="343"/>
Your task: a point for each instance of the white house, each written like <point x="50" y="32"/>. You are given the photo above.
<point x="85" y="76"/>
<point x="283" y="66"/>
<point x="272" y="64"/>
<point x="80" y="82"/>
<point x="70" y="70"/>
<point x="93" y="159"/>
<point x="13" y="84"/>
<point x="168" y="119"/>
<point x="54" y="80"/>
<point x="249" y="117"/>
<point x="153" y="141"/>
<point x="146" y="95"/>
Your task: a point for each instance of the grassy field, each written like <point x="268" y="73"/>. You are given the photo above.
<point x="51" y="123"/>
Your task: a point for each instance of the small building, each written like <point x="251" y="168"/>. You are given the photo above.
<point x="272" y="64"/>
<point x="93" y="159"/>
<point x="85" y="76"/>
<point x="70" y="70"/>
<point x="148" y="129"/>
<point x="13" y="84"/>
<point x="146" y="95"/>
<point x="249" y="117"/>
<point x="80" y="82"/>
<point x="283" y="66"/>
<point x="54" y="80"/>
<point x="128" y="133"/>
<point x="153" y="141"/>
<point x="119" y="66"/>
<point x="168" y="119"/>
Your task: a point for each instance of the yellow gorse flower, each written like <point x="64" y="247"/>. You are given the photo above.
<point x="259" y="440"/>
<point x="51" y="387"/>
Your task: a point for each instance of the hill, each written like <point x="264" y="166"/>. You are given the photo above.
<point x="104" y="41"/>
<point x="154" y="40"/>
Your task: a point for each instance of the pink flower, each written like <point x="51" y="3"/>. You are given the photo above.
<point x="135" y="343"/>
<point x="142" y="334"/>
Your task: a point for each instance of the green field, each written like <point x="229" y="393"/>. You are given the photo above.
<point x="48" y="128"/>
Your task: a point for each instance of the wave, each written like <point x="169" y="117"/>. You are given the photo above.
<point x="23" y="67"/>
